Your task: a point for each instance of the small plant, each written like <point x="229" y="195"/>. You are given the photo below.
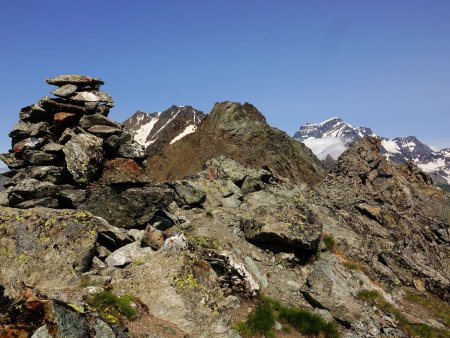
<point x="351" y="265"/>
<point x="438" y="307"/>
<point x="112" y="307"/>
<point x="329" y="242"/>
<point x="262" y="320"/>
<point x="374" y="298"/>
<point x="209" y="214"/>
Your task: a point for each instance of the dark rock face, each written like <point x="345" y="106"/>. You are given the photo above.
<point x="240" y="132"/>
<point x="127" y="207"/>
<point x="155" y="130"/>
<point x="65" y="142"/>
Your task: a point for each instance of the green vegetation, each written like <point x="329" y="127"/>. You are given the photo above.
<point x="432" y="303"/>
<point x="374" y="298"/>
<point x="262" y="320"/>
<point x="209" y="214"/>
<point x="351" y="265"/>
<point x="111" y="307"/>
<point x="329" y="242"/>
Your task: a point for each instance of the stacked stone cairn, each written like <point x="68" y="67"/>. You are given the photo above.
<point x="62" y="145"/>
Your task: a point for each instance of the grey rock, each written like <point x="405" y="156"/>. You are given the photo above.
<point x="71" y="197"/>
<point x="176" y="243"/>
<point x="42" y="332"/>
<point x="30" y="188"/>
<point x="187" y="194"/>
<point x="127" y="207"/>
<point x="131" y="150"/>
<point x="47" y="202"/>
<point x="103" y="131"/>
<point x="93" y="96"/>
<point x="126" y="255"/>
<point x="65" y="90"/>
<point x="38" y="157"/>
<point x="88" y="121"/>
<point x="4" y="202"/>
<point x="67" y="322"/>
<point x="74" y="79"/>
<point x="98" y="264"/>
<point x="102" y="330"/>
<point x="12" y="161"/>
<point x="52" y="147"/>
<point x="112" y="237"/>
<point x="84" y="157"/>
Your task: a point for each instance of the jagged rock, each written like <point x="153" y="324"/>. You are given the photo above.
<point x="175" y="243"/>
<point x="127" y="207"/>
<point x="93" y="96"/>
<point x="187" y="194"/>
<point x="47" y="202"/>
<point x="77" y="80"/>
<point x="115" y="141"/>
<point x="64" y="120"/>
<point x="65" y="90"/>
<point x="45" y="248"/>
<point x="38" y="157"/>
<point x="52" y="147"/>
<point x="35" y="113"/>
<point x="127" y="254"/>
<point x="60" y="105"/>
<point x="84" y="157"/>
<point x="284" y="228"/>
<point x="88" y="121"/>
<point x="131" y="150"/>
<point x="12" y="161"/>
<point x="70" y="197"/>
<point x="104" y="131"/>
<point x="112" y="237"/>
<point x="122" y="170"/>
<point x="30" y="188"/>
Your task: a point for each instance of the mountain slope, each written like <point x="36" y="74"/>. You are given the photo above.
<point x="332" y="137"/>
<point x="154" y="130"/>
<point x="238" y="131"/>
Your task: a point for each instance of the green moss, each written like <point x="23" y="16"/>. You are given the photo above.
<point x="374" y="298"/>
<point x="209" y="214"/>
<point x="111" y="307"/>
<point x="187" y="281"/>
<point x="207" y="242"/>
<point x="262" y="320"/>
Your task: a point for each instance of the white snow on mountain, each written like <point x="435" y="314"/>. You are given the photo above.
<point x="322" y="147"/>
<point x="189" y="130"/>
<point x="141" y="134"/>
<point x="333" y="136"/>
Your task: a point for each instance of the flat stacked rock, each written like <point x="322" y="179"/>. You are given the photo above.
<point x="64" y="143"/>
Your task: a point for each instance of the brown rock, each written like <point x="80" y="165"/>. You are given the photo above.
<point x="122" y="170"/>
<point x="153" y="238"/>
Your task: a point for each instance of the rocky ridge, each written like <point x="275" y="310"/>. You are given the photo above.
<point x="366" y="249"/>
<point x="154" y="130"/>
<point x="330" y="138"/>
<point x="240" y="132"/>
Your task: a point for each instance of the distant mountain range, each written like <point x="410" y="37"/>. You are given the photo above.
<point x="331" y="138"/>
<point x="154" y="130"/>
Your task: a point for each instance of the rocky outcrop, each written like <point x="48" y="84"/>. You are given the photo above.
<point x="402" y="217"/>
<point x="155" y="130"/>
<point x="240" y="132"/>
<point x="65" y="141"/>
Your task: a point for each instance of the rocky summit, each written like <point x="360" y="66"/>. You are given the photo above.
<point x="244" y="234"/>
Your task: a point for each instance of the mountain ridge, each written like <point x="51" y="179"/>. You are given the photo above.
<point x="334" y="135"/>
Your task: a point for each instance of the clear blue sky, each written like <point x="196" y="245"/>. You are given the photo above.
<point x="378" y="63"/>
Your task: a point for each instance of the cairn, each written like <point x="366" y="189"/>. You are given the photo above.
<point x="63" y="144"/>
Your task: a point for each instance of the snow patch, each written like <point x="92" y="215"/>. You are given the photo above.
<point x="390" y="146"/>
<point x="433" y="165"/>
<point x="321" y="147"/>
<point x="142" y="133"/>
<point x="188" y="130"/>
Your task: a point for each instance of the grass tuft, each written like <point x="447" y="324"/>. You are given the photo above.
<point x="329" y="242"/>
<point x="262" y="320"/>
<point x="111" y="307"/>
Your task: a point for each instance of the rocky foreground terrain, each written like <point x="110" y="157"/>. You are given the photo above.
<point x="240" y="237"/>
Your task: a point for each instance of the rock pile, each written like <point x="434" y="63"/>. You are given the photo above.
<point x="62" y="144"/>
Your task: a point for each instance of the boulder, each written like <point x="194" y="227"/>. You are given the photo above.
<point x="131" y="150"/>
<point x="65" y="90"/>
<point x="84" y="157"/>
<point x="126" y="254"/>
<point x="284" y="228"/>
<point x="78" y="80"/>
<point x="88" y="121"/>
<point x="45" y="248"/>
<point x="127" y="207"/>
